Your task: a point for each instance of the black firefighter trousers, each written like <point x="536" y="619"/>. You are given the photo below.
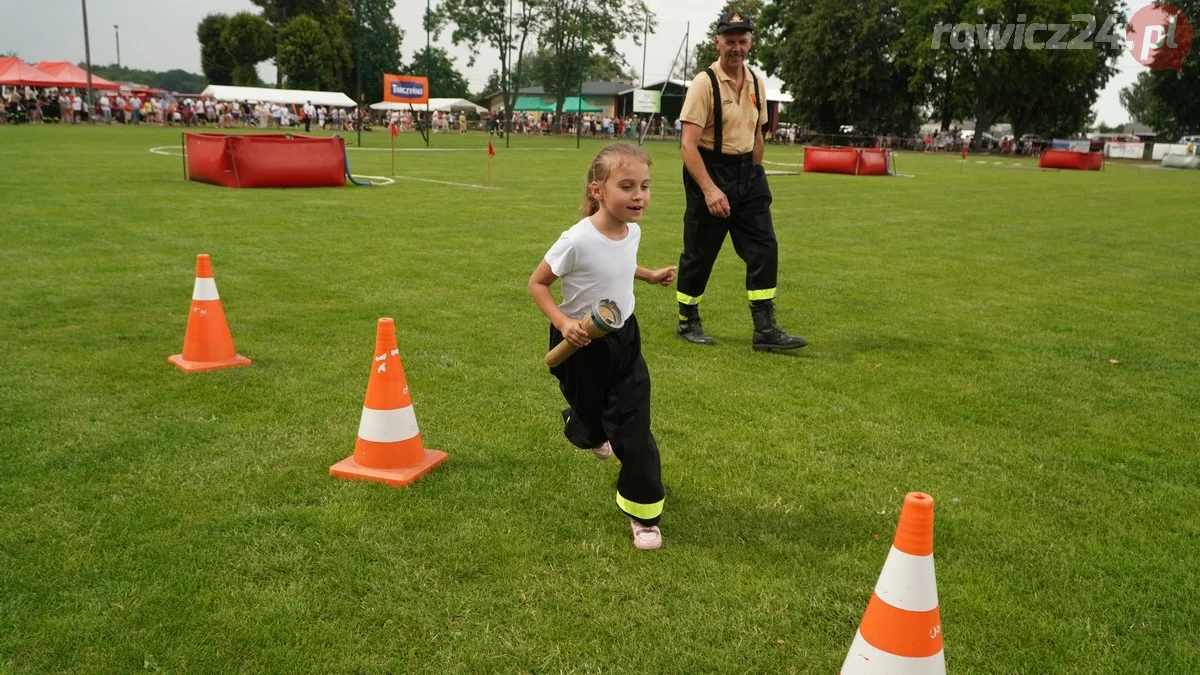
<point x="749" y="225"/>
<point x="607" y="386"/>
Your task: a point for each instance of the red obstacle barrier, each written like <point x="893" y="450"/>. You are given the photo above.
<point x="851" y="161"/>
<point x="266" y="160"/>
<point x="1066" y="159"/>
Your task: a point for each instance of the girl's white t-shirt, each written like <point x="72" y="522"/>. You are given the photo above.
<point x="593" y="267"/>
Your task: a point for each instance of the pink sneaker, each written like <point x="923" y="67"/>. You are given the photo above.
<point x="603" y="451"/>
<point x="645" y="537"/>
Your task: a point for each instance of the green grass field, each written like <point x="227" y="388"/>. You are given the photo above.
<point x="1020" y="344"/>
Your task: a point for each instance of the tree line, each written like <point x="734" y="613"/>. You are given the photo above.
<point x="313" y="43"/>
<point x="171" y="80"/>
<point x="879" y="66"/>
<point x="557" y="43"/>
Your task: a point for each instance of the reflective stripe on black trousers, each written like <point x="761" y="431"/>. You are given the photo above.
<point x="749" y="225"/>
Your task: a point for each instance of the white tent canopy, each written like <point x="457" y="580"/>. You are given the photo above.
<point x="439" y="104"/>
<point x="222" y="92"/>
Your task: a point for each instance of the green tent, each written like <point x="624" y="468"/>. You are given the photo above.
<point x="532" y="104"/>
<point x="574" y="104"/>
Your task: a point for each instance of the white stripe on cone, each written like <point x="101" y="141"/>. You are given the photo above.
<point x="387" y="426"/>
<point x="907" y="582"/>
<point x="205" y="289"/>
<point x="864" y="659"/>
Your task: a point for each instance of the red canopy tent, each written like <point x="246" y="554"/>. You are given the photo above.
<point x="17" y="73"/>
<point x="77" y="76"/>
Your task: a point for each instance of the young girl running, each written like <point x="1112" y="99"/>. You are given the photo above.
<point x="606" y="383"/>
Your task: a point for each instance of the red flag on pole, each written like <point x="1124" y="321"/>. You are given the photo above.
<point x="964" y="150"/>
<point x="394" y="130"/>
<point x="491" y="150"/>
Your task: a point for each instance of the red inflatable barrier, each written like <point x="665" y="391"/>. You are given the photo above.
<point x="872" y="162"/>
<point x="851" y="161"/>
<point x="267" y="160"/>
<point x="1066" y="159"/>
<point x="830" y="160"/>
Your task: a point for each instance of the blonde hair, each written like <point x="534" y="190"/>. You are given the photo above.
<point x="605" y="162"/>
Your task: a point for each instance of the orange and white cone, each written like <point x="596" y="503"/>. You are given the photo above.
<point x="207" y="345"/>
<point x="901" y="631"/>
<point x="389" y="448"/>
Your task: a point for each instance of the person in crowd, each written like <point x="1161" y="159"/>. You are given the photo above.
<point x="309" y="113"/>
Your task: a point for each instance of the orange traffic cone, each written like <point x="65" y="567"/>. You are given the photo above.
<point x="389" y="448"/>
<point x="901" y="631"/>
<point x="207" y="345"/>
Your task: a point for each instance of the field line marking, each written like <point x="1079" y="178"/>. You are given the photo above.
<point x="384" y="180"/>
<point x="446" y="182"/>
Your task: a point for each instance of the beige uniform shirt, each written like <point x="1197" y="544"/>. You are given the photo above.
<point x="740" y="114"/>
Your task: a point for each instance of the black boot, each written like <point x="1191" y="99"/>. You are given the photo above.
<point x="690" y="327"/>
<point x="768" y="336"/>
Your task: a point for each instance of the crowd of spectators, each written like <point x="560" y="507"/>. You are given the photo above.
<point x="32" y="105"/>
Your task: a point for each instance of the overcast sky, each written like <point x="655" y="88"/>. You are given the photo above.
<point x="161" y="35"/>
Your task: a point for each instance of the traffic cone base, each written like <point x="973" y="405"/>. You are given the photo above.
<point x="348" y="468"/>
<point x="863" y="658"/>
<point x="198" y="366"/>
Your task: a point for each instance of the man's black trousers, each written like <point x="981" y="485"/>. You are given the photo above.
<point x="749" y="225"/>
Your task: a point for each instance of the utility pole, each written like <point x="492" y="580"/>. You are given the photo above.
<point x="87" y="54"/>
<point x="645" y="35"/>
<point x="358" y="68"/>
<point x="687" y="41"/>
<point x="428" y="56"/>
<point x="508" y="114"/>
<point x="582" y="76"/>
<point x="117" y="30"/>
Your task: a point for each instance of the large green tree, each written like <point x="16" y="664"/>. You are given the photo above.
<point x="992" y="67"/>
<point x="884" y="64"/>
<point x="940" y="78"/>
<point x="215" y="61"/>
<point x="479" y="23"/>
<point x="576" y="34"/>
<point x="541" y="67"/>
<point x="1168" y="100"/>
<point x="838" y="60"/>
<point x="302" y="53"/>
<point x="381" y="39"/>
<point x="247" y="38"/>
<point x="338" y="23"/>
<point x="444" y="79"/>
<point x="279" y="12"/>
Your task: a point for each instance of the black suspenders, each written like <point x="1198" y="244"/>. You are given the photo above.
<point x="712" y="76"/>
